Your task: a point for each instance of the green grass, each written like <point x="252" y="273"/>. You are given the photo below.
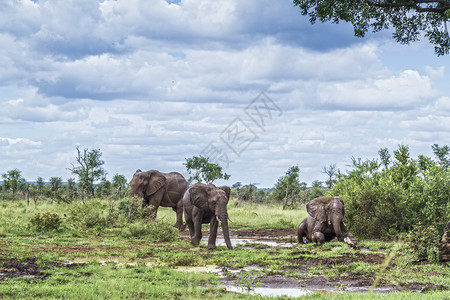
<point x="134" y="247"/>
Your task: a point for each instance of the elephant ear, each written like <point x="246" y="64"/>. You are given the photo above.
<point x="226" y="189"/>
<point x="316" y="209"/>
<point x="199" y="196"/>
<point x="157" y="181"/>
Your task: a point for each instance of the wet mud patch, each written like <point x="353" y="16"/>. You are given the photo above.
<point x="271" y="233"/>
<point x="374" y="258"/>
<point x="26" y="268"/>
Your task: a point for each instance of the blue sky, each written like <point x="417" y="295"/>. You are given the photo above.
<point x="252" y="83"/>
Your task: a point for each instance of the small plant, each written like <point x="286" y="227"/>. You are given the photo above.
<point x="248" y="281"/>
<point x="184" y="259"/>
<point x="45" y="221"/>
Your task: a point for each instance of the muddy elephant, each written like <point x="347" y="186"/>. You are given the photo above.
<point x="203" y="204"/>
<point x="160" y="189"/>
<point x="325" y="222"/>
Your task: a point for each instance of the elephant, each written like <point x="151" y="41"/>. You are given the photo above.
<point x="325" y="222"/>
<point x="160" y="189"/>
<point x="203" y="204"/>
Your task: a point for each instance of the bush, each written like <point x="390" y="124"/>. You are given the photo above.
<point x="45" y="221"/>
<point x="390" y="201"/>
<point x="131" y="208"/>
<point x="89" y="215"/>
<point x="422" y="241"/>
<point x="155" y="231"/>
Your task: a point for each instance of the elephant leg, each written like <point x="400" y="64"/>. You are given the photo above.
<point x="190" y="224"/>
<point x="179" y="210"/>
<point x="318" y="237"/>
<point x="195" y="240"/>
<point x="301" y="233"/>
<point x="213" y="233"/>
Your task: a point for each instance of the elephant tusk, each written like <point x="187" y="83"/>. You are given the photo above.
<point x="230" y="220"/>
<point x="344" y="224"/>
<point x="217" y="218"/>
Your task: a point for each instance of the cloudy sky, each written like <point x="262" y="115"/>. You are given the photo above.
<point x="252" y="84"/>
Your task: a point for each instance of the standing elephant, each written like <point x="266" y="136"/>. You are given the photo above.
<point x="203" y="204"/>
<point x="325" y="222"/>
<point x="160" y="189"/>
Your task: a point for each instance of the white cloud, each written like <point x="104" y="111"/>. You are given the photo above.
<point x="404" y="91"/>
<point x="151" y="83"/>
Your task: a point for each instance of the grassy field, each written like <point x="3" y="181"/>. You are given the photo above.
<point x="97" y="253"/>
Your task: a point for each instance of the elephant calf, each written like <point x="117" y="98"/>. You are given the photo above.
<point x="203" y="204"/>
<point x="325" y="222"/>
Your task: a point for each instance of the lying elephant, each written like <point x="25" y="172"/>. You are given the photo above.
<point x="325" y="222"/>
<point x="203" y="204"/>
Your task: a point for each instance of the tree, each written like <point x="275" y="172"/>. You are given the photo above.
<point x="202" y="170"/>
<point x="13" y="181"/>
<point x="120" y="185"/>
<point x="104" y="188"/>
<point x="385" y="157"/>
<point x="409" y="19"/>
<point x="89" y="170"/>
<point x="288" y="187"/>
<point x="71" y="188"/>
<point x="40" y="185"/>
<point x="442" y="154"/>
<point x="55" y="186"/>
<point x="330" y="171"/>
<point x="317" y="189"/>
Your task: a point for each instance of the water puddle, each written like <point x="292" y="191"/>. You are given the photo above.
<point x="269" y="292"/>
<point x="245" y="241"/>
<point x="221" y="271"/>
<point x="119" y="261"/>
<point x="17" y="275"/>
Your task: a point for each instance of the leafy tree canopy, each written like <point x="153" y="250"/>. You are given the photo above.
<point x="288" y="187"/>
<point x="409" y="19"/>
<point x="90" y="169"/>
<point x="13" y="180"/>
<point x="202" y="170"/>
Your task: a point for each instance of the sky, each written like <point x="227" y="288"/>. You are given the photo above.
<point x="250" y="84"/>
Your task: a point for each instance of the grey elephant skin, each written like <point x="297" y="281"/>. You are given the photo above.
<point x="203" y="204"/>
<point x="160" y="189"/>
<point x="325" y="222"/>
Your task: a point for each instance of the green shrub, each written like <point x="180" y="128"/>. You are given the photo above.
<point x="89" y="215"/>
<point x="183" y="259"/>
<point x="131" y="208"/>
<point x="422" y="241"/>
<point x="155" y="231"/>
<point x="390" y="201"/>
<point x="45" y="221"/>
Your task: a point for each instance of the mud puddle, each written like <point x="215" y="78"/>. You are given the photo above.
<point x="25" y="268"/>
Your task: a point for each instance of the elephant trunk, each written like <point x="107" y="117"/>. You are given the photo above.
<point x="226" y="232"/>
<point x="337" y="227"/>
